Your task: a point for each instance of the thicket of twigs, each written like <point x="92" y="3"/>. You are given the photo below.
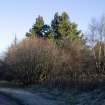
<point x="39" y="60"/>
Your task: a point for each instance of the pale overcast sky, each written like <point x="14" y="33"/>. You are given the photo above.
<point x="17" y="16"/>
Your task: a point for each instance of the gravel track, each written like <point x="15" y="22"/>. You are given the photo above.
<point x="4" y="100"/>
<point x="55" y="97"/>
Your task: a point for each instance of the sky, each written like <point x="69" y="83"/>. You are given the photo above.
<point x="18" y="16"/>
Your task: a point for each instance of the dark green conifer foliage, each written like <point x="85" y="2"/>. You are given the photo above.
<point x="63" y="27"/>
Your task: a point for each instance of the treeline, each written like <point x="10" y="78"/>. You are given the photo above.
<point x="58" y="55"/>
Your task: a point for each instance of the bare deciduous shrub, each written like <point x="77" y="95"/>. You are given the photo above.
<point x="40" y="61"/>
<point x="31" y="60"/>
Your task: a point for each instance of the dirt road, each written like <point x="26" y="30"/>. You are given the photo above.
<point x="4" y="100"/>
<point x="41" y="96"/>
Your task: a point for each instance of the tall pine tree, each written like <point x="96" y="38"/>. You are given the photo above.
<point x="63" y="27"/>
<point x="34" y="31"/>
